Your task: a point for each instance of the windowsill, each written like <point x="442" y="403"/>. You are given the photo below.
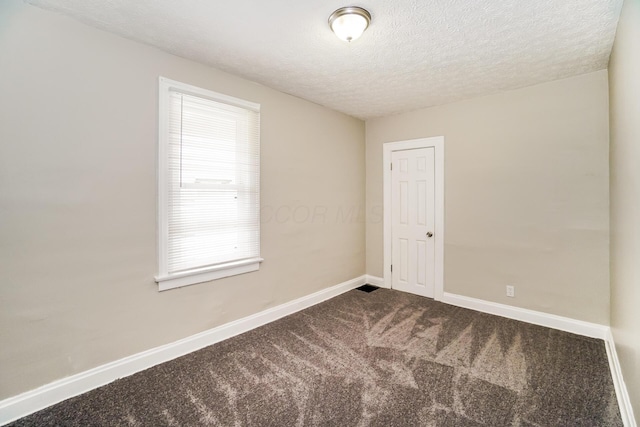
<point x="207" y="274"/>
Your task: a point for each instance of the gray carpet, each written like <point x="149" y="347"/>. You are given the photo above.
<point x="383" y="358"/>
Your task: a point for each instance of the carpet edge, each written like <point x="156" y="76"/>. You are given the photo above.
<point x="553" y="321"/>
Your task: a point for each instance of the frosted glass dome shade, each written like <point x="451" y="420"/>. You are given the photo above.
<point x="348" y="23"/>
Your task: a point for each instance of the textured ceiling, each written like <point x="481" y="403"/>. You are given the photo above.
<point x="415" y="54"/>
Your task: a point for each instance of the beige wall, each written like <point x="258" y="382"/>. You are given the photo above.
<point x="526" y="194"/>
<point x="78" y="112"/>
<point x="624" y="83"/>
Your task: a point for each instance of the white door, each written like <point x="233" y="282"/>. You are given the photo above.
<point x="412" y="221"/>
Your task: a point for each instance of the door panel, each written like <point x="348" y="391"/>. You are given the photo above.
<point x="412" y="218"/>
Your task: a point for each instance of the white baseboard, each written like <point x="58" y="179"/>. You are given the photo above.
<point x="567" y="324"/>
<point x="624" y="402"/>
<point x="57" y="391"/>
<point x="375" y="281"/>
<point x="579" y="327"/>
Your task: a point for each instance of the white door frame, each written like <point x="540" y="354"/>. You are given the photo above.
<point x="437" y="143"/>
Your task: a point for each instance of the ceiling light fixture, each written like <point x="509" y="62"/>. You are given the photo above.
<point x="348" y="23"/>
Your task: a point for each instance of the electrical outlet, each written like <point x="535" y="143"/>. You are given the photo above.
<point x="511" y="291"/>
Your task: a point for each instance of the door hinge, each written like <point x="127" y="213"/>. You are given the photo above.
<point x="392" y="268"/>
<point x="391" y="166"/>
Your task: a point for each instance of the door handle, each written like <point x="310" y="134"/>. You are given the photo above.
<point x="429" y="234"/>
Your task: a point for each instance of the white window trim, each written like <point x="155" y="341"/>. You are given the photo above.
<point x="207" y="274"/>
<point x="163" y="278"/>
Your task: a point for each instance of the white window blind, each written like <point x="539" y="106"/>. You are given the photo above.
<point x="209" y="184"/>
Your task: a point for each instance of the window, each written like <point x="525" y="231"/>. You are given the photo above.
<point x="209" y="185"/>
